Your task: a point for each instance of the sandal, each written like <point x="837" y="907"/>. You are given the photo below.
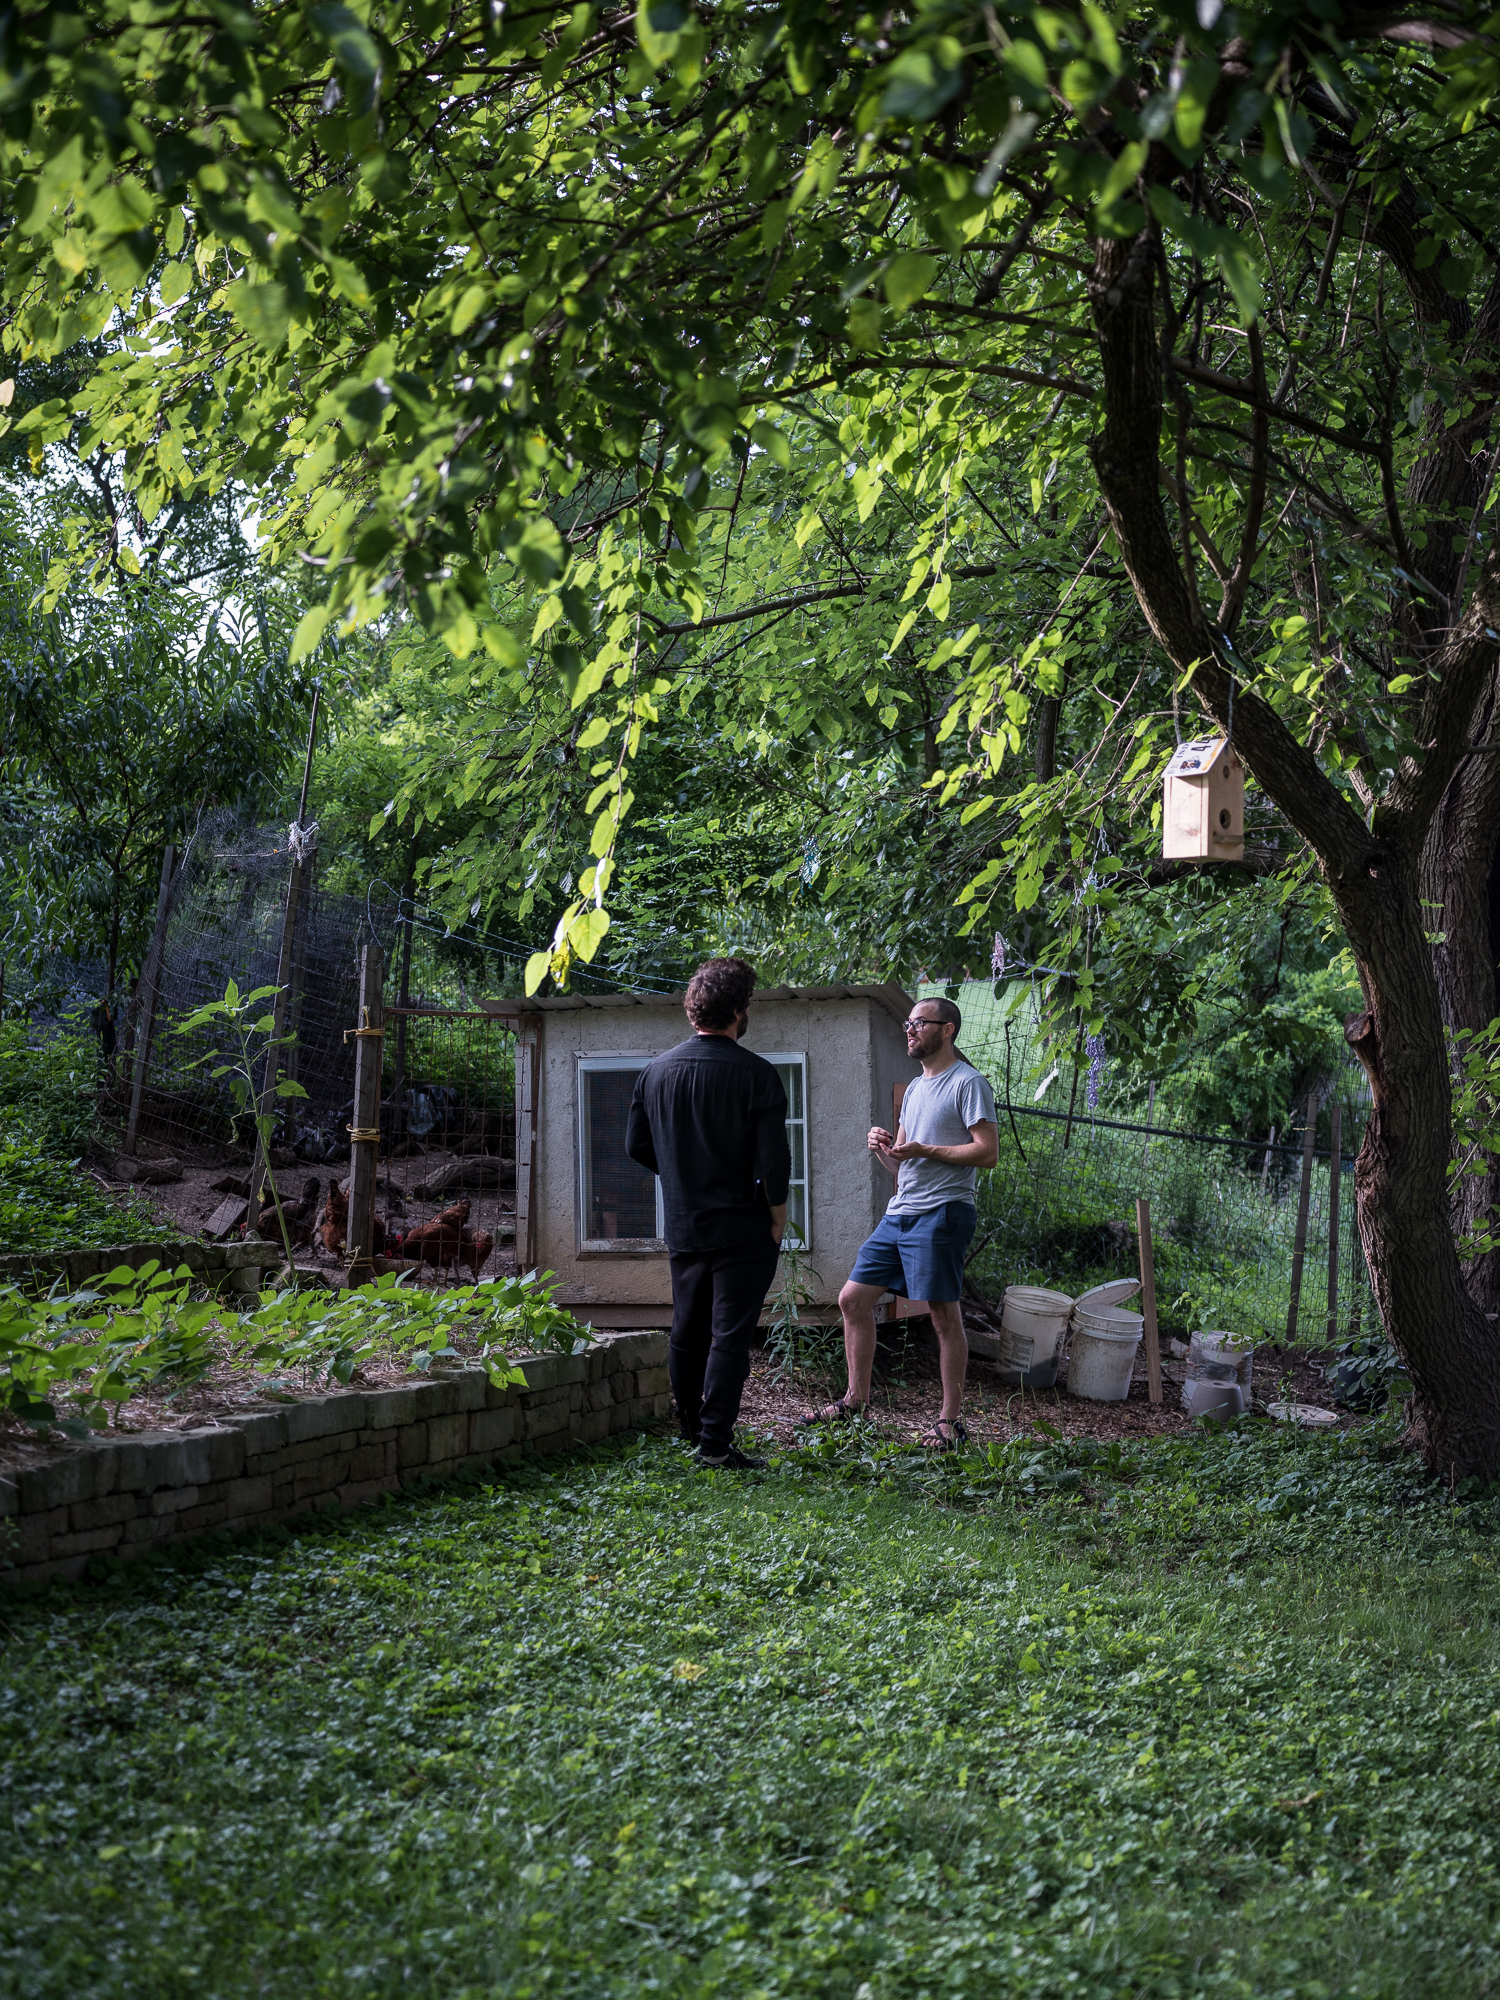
<point x="841" y="1412"/>
<point x="947" y="1434"/>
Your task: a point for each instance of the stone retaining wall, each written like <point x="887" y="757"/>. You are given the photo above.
<point x="222" y="1267"/>
<point x="125" y="1496"/>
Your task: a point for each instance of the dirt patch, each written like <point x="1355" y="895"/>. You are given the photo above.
<point x="905" y="1395"/>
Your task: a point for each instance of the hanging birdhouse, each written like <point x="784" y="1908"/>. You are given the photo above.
<point x="1203" y="803"/>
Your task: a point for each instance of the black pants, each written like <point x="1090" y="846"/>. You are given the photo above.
<point x="716" y="1300"/>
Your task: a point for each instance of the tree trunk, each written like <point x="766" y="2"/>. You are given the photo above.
<point x="1460" y="888"/>
<point x="1376" y="878"/>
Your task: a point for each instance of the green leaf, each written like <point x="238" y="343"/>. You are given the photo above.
<point x="262" y="310"/>
<point x="354" y="47"/>
<point x="906" y="279"/>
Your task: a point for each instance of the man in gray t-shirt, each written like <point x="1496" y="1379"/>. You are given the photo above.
<point x="948" y="1131"/>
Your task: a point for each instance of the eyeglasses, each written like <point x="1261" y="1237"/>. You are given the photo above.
<point x="913" y="1022"/>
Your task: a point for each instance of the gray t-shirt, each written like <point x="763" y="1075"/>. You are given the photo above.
<point x="938" y="1111"/>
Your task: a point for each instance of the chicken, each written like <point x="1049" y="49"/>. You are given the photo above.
<point x="335" y="1224"/>
<point x="437" y="1242"/>
<point x="454" y="1217"/>
<point x="476" y="1252"/>
<point x="299" y="1215"/>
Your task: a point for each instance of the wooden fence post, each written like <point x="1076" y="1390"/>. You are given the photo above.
<point x="364" y="1133"/>
<point x="1304" y="1197"/>
<point x="1148" y="1299"/>
<point x="528" y="1040"/>
<point x="1335" y="1177"/>
<point x="146" y="1016"/>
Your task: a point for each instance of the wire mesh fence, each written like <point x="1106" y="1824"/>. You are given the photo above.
<point x="1058" y="1209"/>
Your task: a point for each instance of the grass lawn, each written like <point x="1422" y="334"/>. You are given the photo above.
<point x="1217" y="1716"/>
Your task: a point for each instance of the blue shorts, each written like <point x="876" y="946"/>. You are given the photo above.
<point x="919" y="1256"/>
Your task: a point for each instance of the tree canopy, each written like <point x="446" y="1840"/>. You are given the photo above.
<point x="832" y="372"/>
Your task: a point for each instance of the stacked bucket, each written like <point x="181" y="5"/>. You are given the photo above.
<point x="1035" y="1323"/>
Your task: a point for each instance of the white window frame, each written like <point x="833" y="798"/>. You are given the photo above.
<point x="798" y="1058"/>
<point x="609" y="1246"/>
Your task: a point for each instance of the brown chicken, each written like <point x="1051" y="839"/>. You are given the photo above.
<point x="300" y="1216"/>
<point x="335" y="1224"/>
<point x="436" y="1242"/>
<point x="476" y="1252"/>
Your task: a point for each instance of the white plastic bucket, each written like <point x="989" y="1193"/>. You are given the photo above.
<point x="1033" y="1326"/>
<point x="1100" y="1363"/>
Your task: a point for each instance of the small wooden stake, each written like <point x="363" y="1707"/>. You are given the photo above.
<point x="1148" y="1299"/>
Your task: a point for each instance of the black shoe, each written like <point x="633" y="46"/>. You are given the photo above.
<point x="733" y="1460"/>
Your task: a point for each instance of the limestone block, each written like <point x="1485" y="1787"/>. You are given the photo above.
<point x="661" y="1406"/>
<point x="547" y="1419"/>
<point x="242" y="1256"/>
<point x="251" y="1496"/>
<point x="58" y="1482"/>
<point x="144" y="1532"/>
<point x="35" y="1534"/>
<point x="323" y="1477"/>
<point x="368" y="1461"/>
<point x="215" y="1453"/>
<point x="245" y="1282"/>
<point x="411" y="1446"/>
<point x="598" y="1396"/>
<point x="385" y="1435"/>
<point x="263" y="1431"/>
<point x="593" y="1425"/>
<point x="492" y="1430"/>
<point x="652" y="1382"/>
<point x="469" y="1385"/>
<point x="199" y="1520"/>
<point x="543" y="1372"/>
<point x="82" y="1265"/>
<point x="324" y="1416"/>
<point x="619" y="1418"/>
<point x="173" y="1500"/>
<point x="385" y="1408"/>
<point x="447" y="1437"/>
<point x="86" y="1515"/>
<point x="435" y="1399"/>
<point x="150" y="1460"/>
<point x="359" y="1493"/>
<point x="10" y="1496"/>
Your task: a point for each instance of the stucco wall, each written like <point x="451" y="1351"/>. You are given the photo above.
<point x="855" y="1052"/>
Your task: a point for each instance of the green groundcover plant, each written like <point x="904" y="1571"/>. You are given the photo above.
<point x="1210" y="1716"/>
<point x="47" y="1092"/>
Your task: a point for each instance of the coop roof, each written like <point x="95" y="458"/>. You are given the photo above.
<point x="892" y="998"/>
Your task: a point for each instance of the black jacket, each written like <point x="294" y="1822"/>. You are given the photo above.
<point x="710" y="1118"/>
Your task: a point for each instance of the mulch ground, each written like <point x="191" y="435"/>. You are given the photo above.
<point x="906" y="1395"/>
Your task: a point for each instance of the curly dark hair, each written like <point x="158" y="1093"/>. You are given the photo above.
<point x="718" y="991"/>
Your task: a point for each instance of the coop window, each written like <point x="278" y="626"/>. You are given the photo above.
<point x="792" y="1069"/>
<point x="619" y="1203"/>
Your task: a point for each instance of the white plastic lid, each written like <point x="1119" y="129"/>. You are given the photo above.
<point x="1034" y="1298"/>
<point x="1109" y="1295"/>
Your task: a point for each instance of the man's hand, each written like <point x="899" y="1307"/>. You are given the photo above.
<point x="880" y="1140"/>
<point x="909" y="1149"/>
<point x="778" y="1222"/>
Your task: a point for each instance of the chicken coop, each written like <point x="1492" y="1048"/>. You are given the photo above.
<point x="588" y="1213"/>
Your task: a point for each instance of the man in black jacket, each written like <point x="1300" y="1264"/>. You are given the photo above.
<point x="710" y="1119"/>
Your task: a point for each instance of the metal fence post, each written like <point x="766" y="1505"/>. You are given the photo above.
<point x="150" y="980"/>
<point x="528" y="1038"/>
<point x="1148" y="1298"/>
<point x="364" y="1133"/>
<point x="1304" y="1198"/>
<point x="1335" y="1177"/>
